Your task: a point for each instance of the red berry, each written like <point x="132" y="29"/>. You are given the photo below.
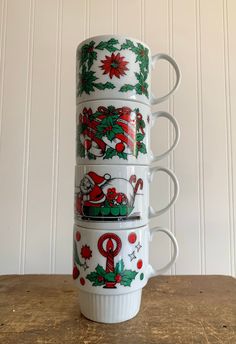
<point x="76" y="272"/>
<point x="132" y="237"/>
<point x="139" y="264"/>
<point x="100" y="278"/>
<point x="82" y="281"/>
<point x="87" y="144"/>
<point x="78" y="236"/>
<point x="118" y="278"/>
<point x="120" y="147"/>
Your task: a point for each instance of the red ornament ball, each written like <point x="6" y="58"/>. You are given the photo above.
<point x="76" y="272"/>
<point x="132" y="237"/>
<point x="78" y="236"/>
<point x="82" y="281"/>
<point x="139" y="264"/>
<point x="120" y="147"/>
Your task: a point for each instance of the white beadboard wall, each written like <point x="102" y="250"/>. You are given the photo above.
<point x="38" y="39"/>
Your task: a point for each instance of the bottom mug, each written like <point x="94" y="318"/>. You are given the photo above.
<point x="111" y="267"/>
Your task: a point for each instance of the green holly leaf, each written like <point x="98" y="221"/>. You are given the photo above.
<point x="127" y="276"/>
<point x="75" y="254"/>
<point x="128" y="45"/>
<point x="80" y="150"/>
<point x="110" y="152"/>
<point x="117" y="129"/>
<point x="100" y="86"/>
<point x="141" y="124"/>
<point x="122" y="155"/>
<point x="126" y="88"/>
<point x="110" y="135"/>
<point x="142" y="148"/>
<point x="99" y="269"/>
<point x="91" y="58"/>
<point x="91" y="156"/>
<point x="142" y="89"/>
<point x="139" y="137"/>
<point x="109" y="45"/>
<point x="86" y="81"/>
<point x="110" y="277"/>
<point x="119" y="267"/>
<point x="94" y="278"/>
<point x="87" y="53"/>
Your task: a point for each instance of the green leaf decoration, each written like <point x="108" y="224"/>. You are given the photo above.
<point x="99" y="269"/>
<point x="96" y="279"/>
<point x="110" y="152"/>
<point x="122" y="155"/>
<point x="85" y="52"/>
<point x="142" y="148"/>
<point x="109" y="45"/>
<point x="110" y="135"/>
<point x="75" y="254"/>
<point x="139" y="137"/>
<point x="128" y="45"/>
<point x="140" y="124"/>
<point x="91" y="58"/>
<point x="101" y="86"/>
<point x="117" y="129"/>
<point x="110" y="277"/>
<point x="91" y="156"/>
<point x="80" y="150"/>
<point x="127" y="277"/>
<point x="119" y="267"/>
<point x="86" y="80"/>
<point x="127" y="88"/>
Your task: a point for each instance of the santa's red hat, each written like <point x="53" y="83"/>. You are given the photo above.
<point x="95" y="179"/>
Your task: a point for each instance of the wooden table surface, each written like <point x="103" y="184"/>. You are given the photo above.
<point x="177" y="309"/>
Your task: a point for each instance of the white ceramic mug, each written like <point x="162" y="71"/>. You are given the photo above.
<point x="117" y="132"/>
<point x="117" y="67"/>
<point x="111" y="268"/>
<point x="116" y="196"/>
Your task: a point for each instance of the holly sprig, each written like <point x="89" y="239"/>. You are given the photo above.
<point x="99" y="277"/>
<point x="87" y="55"/>
<point x="141" y="87"/>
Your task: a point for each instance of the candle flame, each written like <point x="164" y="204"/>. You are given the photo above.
<point x="109" y="246"/>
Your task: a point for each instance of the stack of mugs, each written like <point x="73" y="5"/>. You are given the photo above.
<point x="113" y="175"/>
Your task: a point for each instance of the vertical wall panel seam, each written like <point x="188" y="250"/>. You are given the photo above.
<point x="87" y="18"/>
<point x="229" y="154"/>
<point x="201" y="189"/>
<point x="56" y="133"/>
<point x="27" y="120"/>
<point x="114" y="16"/>
<point x="2" y="59"/>
<point x="170" y="129"/>
<point x="143" y="16"/>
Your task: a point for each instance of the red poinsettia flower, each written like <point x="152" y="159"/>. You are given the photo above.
<point x="86" y="253"/>
<point x="114" y="65"/>
<point x="111" y="194"/>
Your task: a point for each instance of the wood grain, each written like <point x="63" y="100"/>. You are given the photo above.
<point x="184" y="309"/>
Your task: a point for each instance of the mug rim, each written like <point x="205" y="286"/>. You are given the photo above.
<point x="116" y="36"/>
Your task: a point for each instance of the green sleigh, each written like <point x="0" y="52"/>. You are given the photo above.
<point x="110" y="212"/>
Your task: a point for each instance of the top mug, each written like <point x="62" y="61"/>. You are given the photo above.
<point x="117" y="67"/>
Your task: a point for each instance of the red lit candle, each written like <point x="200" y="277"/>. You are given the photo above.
<point x="110" y="256"/>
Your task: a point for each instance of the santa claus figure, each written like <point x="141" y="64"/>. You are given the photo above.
<point x="91" y="191"/>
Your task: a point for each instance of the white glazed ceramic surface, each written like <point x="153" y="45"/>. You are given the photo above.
<point x="117" y="132"/>
<point x="111" y="267"/>
<point x="116" y="196"/>
<point x="117" y="67"/>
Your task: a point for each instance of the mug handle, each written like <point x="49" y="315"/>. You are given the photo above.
<point x="155" y="58"/>
<point x="171" y="118"/>
<point x="151" y="272"/>
<point x="153" y="212"/>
